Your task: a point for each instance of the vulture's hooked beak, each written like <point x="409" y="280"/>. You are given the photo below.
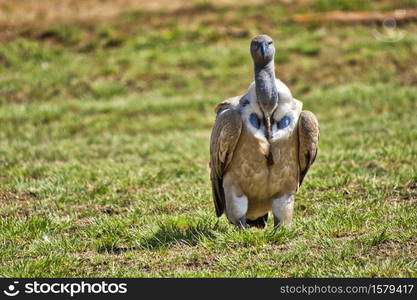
<point x="262" y="47"/>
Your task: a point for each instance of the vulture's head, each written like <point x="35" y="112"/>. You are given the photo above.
<point x="262" y="49"/>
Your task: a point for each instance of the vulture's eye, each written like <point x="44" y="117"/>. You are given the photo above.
<point x="270" y="43"/>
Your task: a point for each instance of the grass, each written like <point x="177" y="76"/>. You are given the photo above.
<point x="104" y="146"/>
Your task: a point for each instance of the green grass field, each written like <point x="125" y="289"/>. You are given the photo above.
<point x="104" y="134"/>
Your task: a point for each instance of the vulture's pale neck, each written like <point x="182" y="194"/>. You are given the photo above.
<point x="266" y="92"/>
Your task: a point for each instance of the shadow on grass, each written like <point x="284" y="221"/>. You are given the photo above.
<point x="170" y="235"/>
<point x="176" y="232"/>
<point x="167" y="236"/>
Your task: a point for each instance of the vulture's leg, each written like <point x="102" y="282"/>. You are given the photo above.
<point x="282" y="208"/>
<point x="236" y="207"/>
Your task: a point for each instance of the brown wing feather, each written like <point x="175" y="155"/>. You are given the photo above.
<point x="308" y="135"/>
<point x="224" y="137"/>
<point x="228" y="103"/>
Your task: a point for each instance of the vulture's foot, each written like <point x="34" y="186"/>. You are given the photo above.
<point x="242" y="223"/>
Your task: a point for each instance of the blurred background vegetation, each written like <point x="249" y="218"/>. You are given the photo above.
<point x="105" y="114"/>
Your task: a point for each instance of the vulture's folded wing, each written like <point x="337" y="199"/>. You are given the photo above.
<point x="224" y="137"/>
<point x="308" y="135"/>
<point x="226" y="104"/>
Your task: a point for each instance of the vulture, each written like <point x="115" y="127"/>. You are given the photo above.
<point x="261" y="147"/>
